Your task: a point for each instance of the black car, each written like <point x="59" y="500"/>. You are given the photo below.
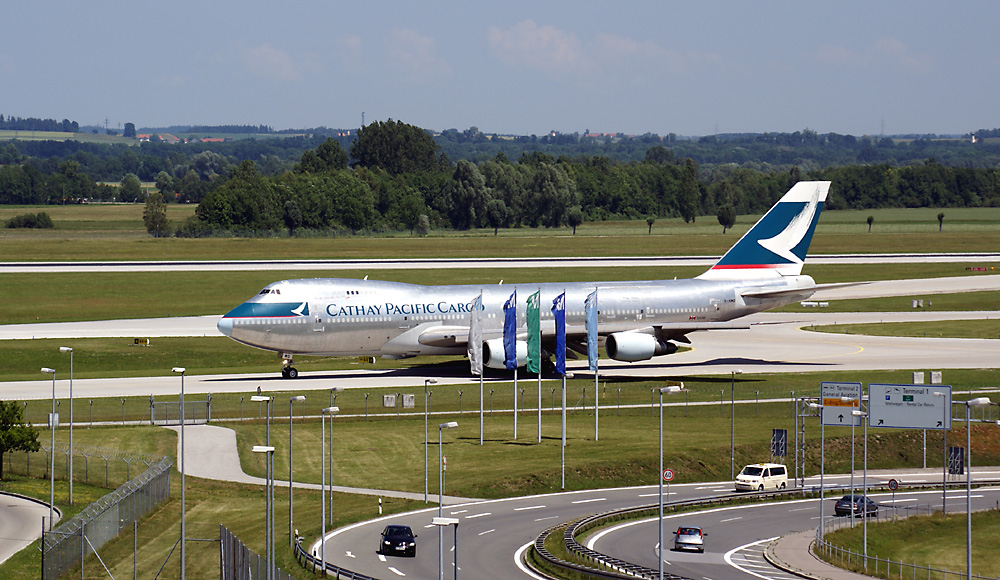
<point x="397" y="541"/>
<point x="857" y="505"/>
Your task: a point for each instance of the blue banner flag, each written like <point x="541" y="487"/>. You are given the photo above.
<point x="510" y="332"/>
<point x="559" y="312"/>
<point x="591" y="323"/>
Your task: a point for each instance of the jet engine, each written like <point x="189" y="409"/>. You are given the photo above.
<point x="636" y="346"/>
<point x="493" y="353"/>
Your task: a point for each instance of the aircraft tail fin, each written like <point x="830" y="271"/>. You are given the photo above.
<point x="777" y="244"/>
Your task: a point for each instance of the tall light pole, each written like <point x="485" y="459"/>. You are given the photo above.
<point x="332" y="390"/>
<point x="732" y="423"/>
<point x="659" y="555"/>
<point x="977" y="402"/>
<point x="863" y="415"/>
<point x="441" y="428"/>
<point x="269" y="506"/>
<point x="291" y="530"/>
<point x="70" y="351"/>
<point x="183" y="497"/>
<point x="52" y="449"/>
<point x="426" y="383"/>
<point x="944" y="446"/>
<point x="822" y="462"/>
<point x="322" y="485"/>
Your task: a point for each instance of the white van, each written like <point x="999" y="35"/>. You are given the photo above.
<point x="761" y="476"/>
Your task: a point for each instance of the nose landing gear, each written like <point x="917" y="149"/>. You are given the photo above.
<point x="287" y="370"/>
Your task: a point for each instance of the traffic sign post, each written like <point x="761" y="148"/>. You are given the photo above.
<point x="667" y="474"/>
<point x="839" y="400"/>
<point x="893" y="486"/>
<point x="910" y="406"/>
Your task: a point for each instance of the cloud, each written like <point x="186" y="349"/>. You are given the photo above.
<point x="546" y="48"/>
<point x="274" y="64"/>
<point x="886" y="51"/>
<point x="415" y="56"/>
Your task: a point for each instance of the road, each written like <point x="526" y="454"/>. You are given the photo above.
<point x="491" y="533"/>
<point x="21" y="523"/>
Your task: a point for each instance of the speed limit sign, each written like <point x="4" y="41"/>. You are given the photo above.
<point x="668" y="474"/>
<point x="893" y="485"/>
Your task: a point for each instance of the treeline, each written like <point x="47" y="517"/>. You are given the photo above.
<point x="33" y="124"/>
<point x="395" y="176"/>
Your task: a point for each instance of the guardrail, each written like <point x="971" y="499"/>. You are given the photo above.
<point x="605" y="566"/>
<point x="313" y="563"/>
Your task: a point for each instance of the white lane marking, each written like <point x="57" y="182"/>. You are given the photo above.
<point x="487" y="532"/>
<point x="429" y="526"/>
<point x="350" y="555"/>
<point x="396" y="572"/>
<point x="590" y="500"/>
<point x="474" y="516"/>
<point x="712" y="487"/>
<point x="728" y="557"/>
<point x="381" y="558"/>
<point x="546" y="518"/>
<point x="518" y="556"/>
<point x="530" y="507"/>
<point x="458" y="512"/>
<point x="730" y="520"/>
<point x="656" y="549"/>
<point x="802" y="509"/>
<point x="899" y="500"/>
<point x="656" y="494"/>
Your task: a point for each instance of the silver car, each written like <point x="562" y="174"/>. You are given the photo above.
<point x="689" y="538"/>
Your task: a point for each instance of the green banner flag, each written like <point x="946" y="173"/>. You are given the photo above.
<point x="534" y="333"/>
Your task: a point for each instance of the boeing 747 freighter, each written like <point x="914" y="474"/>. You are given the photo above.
<point x="637" y="320"/>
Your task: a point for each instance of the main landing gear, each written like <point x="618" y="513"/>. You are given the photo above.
<point x="287" y="370"/>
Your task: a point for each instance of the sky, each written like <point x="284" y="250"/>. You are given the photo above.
<point x="511" y="67"/>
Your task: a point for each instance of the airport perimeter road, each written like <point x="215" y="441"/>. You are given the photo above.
<point x="459" y="263"/>
<point x="491" y="533"/>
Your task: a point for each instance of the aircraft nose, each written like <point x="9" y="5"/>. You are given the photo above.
<point x="225" y="326"/>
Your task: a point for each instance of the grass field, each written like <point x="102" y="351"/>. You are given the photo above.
<point x="936" y="541"/>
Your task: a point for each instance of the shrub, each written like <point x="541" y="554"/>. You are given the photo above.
<point x="40" y="220"/>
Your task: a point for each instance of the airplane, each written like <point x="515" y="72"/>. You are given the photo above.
<point x="637" y="320"/>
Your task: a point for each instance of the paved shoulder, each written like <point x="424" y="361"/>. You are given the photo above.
<point x="793" y="553"/>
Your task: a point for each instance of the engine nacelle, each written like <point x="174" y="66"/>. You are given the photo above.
<point x="636" y="346"/>
<point x="493" y="353"/>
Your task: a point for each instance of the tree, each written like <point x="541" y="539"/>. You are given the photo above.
<point x="871" y="220"/>
<point x="496" y="214"/>
<point x="129" y="130"/>
<point x="292" y="217"/>
<point x="154" y="216"/>
<point x="574" y="217"/>
<point x="468" y="196"/>
<point x="423" y="225"/>
<point x="130" y="189"/>
<point x="940" y="221"/>
<point x="15" y="435"/>
<point x="727" y="217"/>
<point x="396" y="147"/>
<point x="650" y="220"/>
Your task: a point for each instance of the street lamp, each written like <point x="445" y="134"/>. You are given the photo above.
<point x="441" y="428"/>
<point x="426" y="383"/>
<point x="333" y="390"/>
<point x="945" y="409"/>
<point x="442" y="522"/>
<point x="291" y="531"/>
<point x="322" y="469"/>
<point x="659" y="555"/>
<point x="52" y="449"/>
<point x="732" y="423"/>
<point x="977" y="402"/>
<point x="70" y="351"/>
<point x="822" y="462"/>
<point x="183" y="506"/>
<point x="269" y="506"/>
<point x="863" y="415"/>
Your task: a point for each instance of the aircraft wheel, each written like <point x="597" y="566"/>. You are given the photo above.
<point x="293" y="373"/>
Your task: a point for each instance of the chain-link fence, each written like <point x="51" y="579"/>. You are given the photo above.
<point x="92" y="465"/>
<point x="85" y="533"/>
<point x="240" y="563"/>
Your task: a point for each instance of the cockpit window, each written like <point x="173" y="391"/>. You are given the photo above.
<point x="265" y="291"/>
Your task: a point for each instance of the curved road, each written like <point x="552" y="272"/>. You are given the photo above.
<point x="491" y="533"/>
